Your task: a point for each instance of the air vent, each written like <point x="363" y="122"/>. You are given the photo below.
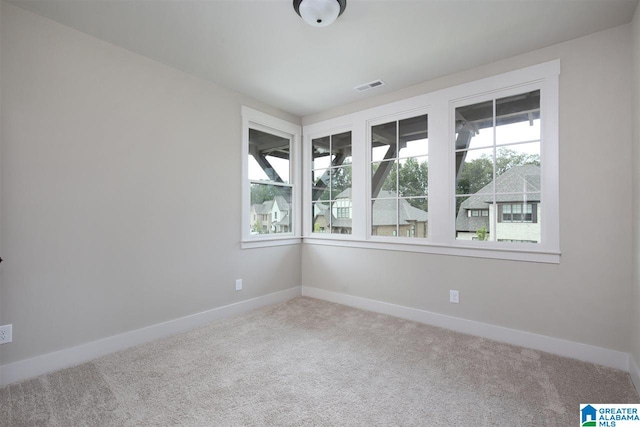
<point x="370" y="85"/>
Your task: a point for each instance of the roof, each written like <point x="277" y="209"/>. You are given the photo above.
<point x="384" y="211"/>
<point x="266" y="207"/>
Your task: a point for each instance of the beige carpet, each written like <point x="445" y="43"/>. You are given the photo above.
<point x="310" y="362"/>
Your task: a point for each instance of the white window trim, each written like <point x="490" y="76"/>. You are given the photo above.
<point x="258" y="120"/>
<point x="312" y="132"/>
<point x="439" y="106"/>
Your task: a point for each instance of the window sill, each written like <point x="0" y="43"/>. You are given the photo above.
<point x="269" y="242"/>
<point x="465" y="251"/>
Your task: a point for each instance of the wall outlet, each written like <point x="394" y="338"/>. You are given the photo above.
<point x="238" y="284"/>
<point x="454" y="296"/>
<point x="6" y="334"/>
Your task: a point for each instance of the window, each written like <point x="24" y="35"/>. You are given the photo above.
<point x="470" y="170"/>
<point x="399" y="177"/>
<point x="497" y="160"/>
<point x="517" y="213"/>
<point x="331" y="184"/>
<point x="270" y="194"/>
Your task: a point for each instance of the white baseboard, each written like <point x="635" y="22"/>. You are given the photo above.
<point x="50" y="362"/>
<point x="584" y="352"/>
<point x="634" y="372"/>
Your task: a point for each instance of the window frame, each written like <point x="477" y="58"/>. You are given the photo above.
<point x="440" y="108"/>
<point x="310" y="133"/>
<point x="397" y="117"/>
<point x="257" y="120"/>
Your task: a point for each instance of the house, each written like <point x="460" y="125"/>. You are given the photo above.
<point x="391" y="216"/>
<point x="514" y="211"/>
<point x="121" y="170"/>
<point x="271" y="216"/>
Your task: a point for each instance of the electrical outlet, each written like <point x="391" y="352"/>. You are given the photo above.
<point x="454" y="296"/>
<point x="238" y="284"/>
<point x="6" y="334"/>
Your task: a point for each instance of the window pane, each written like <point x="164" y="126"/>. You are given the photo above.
<point x="321" y="158"/>
<point x="474" y="171"/>
<point x="383" y="142"/>
<point x="413" y="137"/>
<point x="524" y="224"/>
<point x="518" y="118"/>
<point x="469" y="226"/>
<point x="413" y="217"/>
<point x="268" y="157"/>
<point x="270" y="209"/>
<point x="518" y="168"/>
<point x="341" y="148"/>
<point x="341" y="219"/>
<point x="340" y="182"/>
<point x="320" y="217"/>
<point x="384" y="217"/>
<point x="321" y="182"/>
<point x="383" y="178"/>
<point x="474" y="126"/>
<point x="413" y="177"/>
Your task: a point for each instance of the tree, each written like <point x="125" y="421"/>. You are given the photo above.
<point x="482" y="233"/>
<point x="475" y="175"/>
<point x="412" y="181"/>
<point x="263" y="192"/>
<point x="341" y="179"/>
<point x="507" y="158"/>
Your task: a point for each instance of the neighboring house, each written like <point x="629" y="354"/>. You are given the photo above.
<point x="517" y="214"/>
<point x="271" y="216"/>
<point x="411" y="221"/>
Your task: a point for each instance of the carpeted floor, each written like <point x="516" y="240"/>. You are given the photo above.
<point x="310" y="362"/>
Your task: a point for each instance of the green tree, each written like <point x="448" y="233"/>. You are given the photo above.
<point x="475" y="175"/>
<point x="341" y="179"/>
<point x="507" y="158"/>
<point x="482" y="233"/>
<point x="263" y="192"/>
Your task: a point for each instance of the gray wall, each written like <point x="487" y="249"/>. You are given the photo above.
<point x="120" y="192"/>
<point x="635" y="337"/>
<point x="587" y="297"/>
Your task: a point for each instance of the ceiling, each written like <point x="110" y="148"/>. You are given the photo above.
<point x="264" y="49"/>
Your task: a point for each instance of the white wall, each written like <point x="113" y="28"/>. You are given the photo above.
<point x="635" y="332"/>
<point x="120" y="192"/>
<point x="586" y="298"/>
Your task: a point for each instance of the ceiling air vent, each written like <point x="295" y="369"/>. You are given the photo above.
<point x="370" y="85"/>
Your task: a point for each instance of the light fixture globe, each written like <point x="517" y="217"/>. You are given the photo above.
<point x="319" y="13"/>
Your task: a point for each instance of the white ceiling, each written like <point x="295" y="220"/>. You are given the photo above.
<point x="263" y="49"/>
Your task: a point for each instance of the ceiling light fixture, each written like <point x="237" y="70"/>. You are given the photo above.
<point x="319" y="13"/>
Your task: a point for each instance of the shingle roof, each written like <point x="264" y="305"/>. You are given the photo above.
<point x="266" y="207"/>
<point x="384" y="211"/>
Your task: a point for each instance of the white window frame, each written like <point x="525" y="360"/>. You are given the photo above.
<point x="321" y="130"/>
<point x="378" y="121"/>
<point x="254" y="119"/>
<point x="440" y="107"/>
